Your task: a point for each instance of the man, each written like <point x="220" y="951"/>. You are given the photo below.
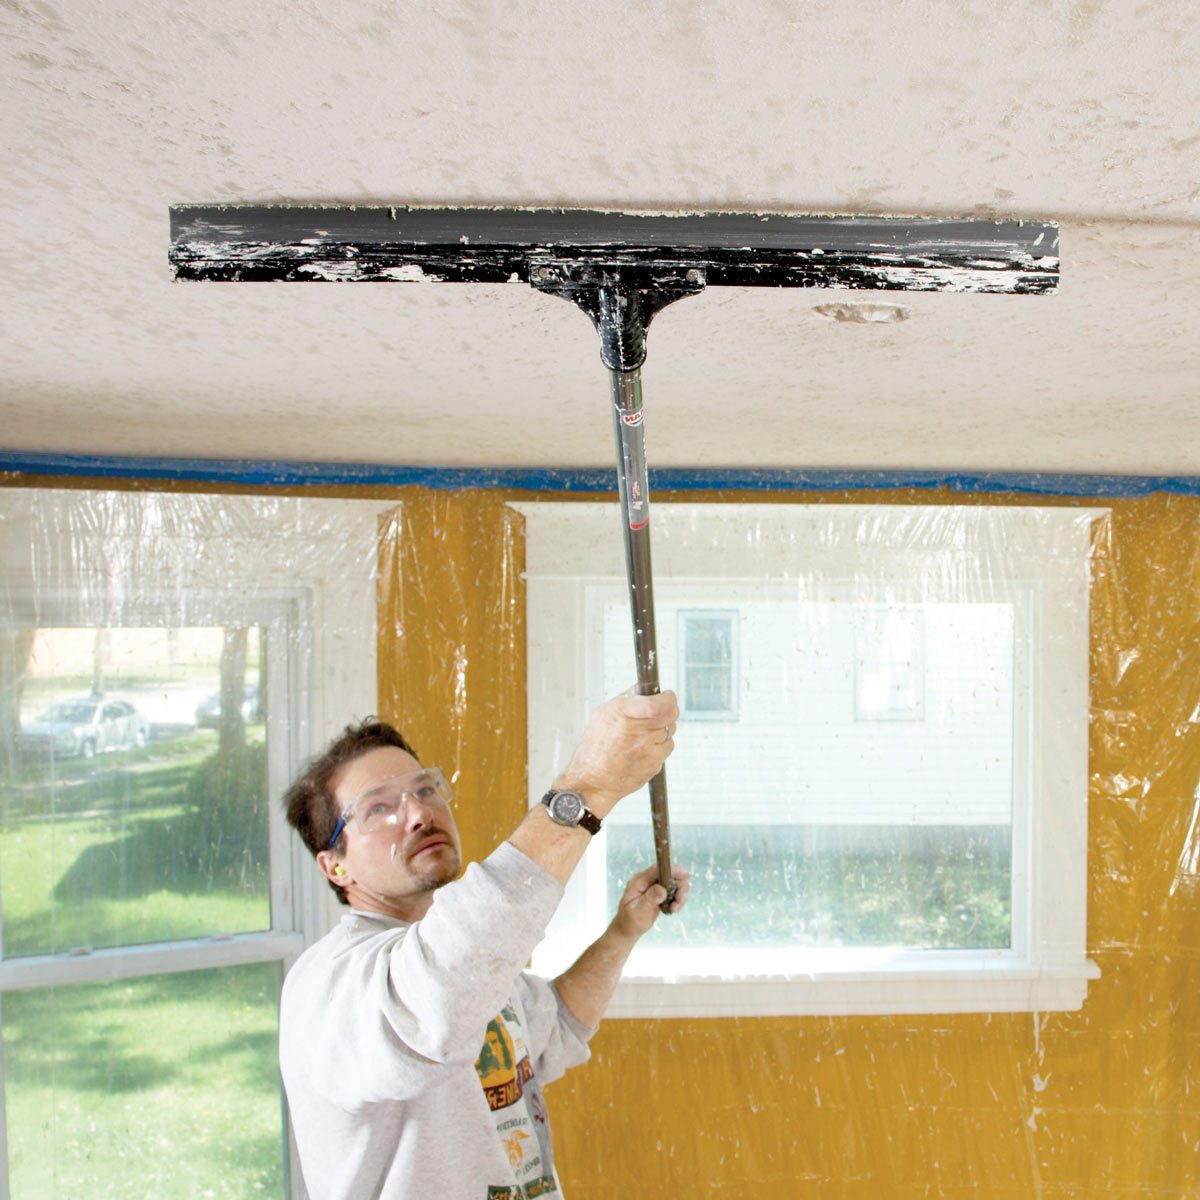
<point x="413" y="1046"/>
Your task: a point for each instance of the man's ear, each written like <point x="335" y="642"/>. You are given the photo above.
<point x="332" y="869"/>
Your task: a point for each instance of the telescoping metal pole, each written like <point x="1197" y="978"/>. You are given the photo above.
<point x="635" y="513"/>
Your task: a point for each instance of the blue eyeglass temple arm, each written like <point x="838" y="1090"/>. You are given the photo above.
<point x="337" y="832"/>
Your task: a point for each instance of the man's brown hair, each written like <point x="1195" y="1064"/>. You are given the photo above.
<point x="311" y="809"/>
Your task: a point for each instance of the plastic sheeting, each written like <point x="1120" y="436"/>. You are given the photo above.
<point x="1072" y="1103"/>
<point x="884" y="748"/>
<point x="158" y="662"/>
<point x="1097" y="1101"/>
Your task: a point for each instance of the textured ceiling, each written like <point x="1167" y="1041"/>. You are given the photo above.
<point x="1084" y="113"/>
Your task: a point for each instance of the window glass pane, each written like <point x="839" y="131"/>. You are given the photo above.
<point x="133" y="807"/>
<point x="166" y="1086"/>
<point x="709" y="640"/>
<point x="706" y="690"/>
<point x="942" y="887"/>
<point x="889" y="665"/>
<point x="810" y="826"/>
<point x="707" y="663"/>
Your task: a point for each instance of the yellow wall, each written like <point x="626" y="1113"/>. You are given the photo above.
<point x="1104" y="1101"/>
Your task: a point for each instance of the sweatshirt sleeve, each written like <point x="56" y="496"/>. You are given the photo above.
<point x="396" y="1005"/>
<point x="557" y="1039"/>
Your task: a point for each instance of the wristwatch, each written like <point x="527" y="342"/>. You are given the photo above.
<point x="568" y="808"/>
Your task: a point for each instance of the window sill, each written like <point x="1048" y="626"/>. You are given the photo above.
<point x="951" y="984"/>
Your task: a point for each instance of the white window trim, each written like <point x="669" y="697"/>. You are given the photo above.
<point x="1038" y="553"/>
<point x="309" y="567"/>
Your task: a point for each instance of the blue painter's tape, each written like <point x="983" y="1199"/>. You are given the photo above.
<point x="550" y="479"/>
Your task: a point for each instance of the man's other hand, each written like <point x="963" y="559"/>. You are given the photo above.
<point x="624" y="746"/>
<point x="642" y="901"/>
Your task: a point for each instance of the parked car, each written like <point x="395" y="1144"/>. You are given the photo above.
<point x="85" y="726"/>
<point x="208" y="711"/>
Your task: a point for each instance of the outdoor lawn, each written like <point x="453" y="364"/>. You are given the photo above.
<point x="164" y="1086"/>
<point x="931" y="887"/>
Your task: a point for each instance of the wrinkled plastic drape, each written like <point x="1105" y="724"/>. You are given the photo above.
<point x="882" y="747"/>
<point x="1096" y="1101"/>
<point x="1017" y="1104"/>
<point x="157" y="659"/>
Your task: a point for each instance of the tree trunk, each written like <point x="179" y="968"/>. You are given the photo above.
<point x="233" y="689"/>
<point x="16" y="649"/>
<point x="101" y="653"/>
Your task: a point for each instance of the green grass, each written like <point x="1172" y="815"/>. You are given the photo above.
<point x="121" y="855"/>
<point x="154" y="774"/>
<point x="163" y="1088"/>
<point x="931" y="888"/>
<point x="160" y="1087"/>
<point x="112" y="881"/>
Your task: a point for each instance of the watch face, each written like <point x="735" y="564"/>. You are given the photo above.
<point x="566" y="807"/>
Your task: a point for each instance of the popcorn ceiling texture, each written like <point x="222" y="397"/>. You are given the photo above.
<point x="1082" y="113"/>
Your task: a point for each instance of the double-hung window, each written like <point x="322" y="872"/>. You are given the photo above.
<point x="881" y="792"/>
<point x="166" y="663"/>
<point x="708" y="688"/>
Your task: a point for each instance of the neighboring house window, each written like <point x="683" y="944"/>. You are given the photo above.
<point x="708" y="665"/>
<point x="889" y="665"/>
<point x="151" y="894"/>
<point x="896" y="820"/>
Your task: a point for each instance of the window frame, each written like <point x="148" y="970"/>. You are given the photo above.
<point x="305" y="568"/>
<point x="1035" y="558"/>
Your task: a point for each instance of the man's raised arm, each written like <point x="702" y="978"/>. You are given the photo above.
<point x="625" y="744"/>
<point x="587" y="986"/>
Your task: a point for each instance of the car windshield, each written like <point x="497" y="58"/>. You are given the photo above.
<point x="72" y="714"/>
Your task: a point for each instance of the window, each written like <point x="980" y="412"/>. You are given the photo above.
<point x="151" y="895"/>
<point x="896" y="820"/>
<point x="889" y="665"/>
<point x="708" y="665"/>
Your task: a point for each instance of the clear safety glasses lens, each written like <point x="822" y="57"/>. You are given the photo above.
<point x="386" y="803"/>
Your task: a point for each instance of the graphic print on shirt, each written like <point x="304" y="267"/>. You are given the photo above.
<point x="506" y="1074"/>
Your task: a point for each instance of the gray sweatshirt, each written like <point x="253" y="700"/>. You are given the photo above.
<point x="413" y="1055"/>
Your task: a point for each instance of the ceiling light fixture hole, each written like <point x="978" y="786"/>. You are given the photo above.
<point x="863" y="312"/>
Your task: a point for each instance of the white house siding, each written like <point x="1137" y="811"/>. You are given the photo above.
<point x="796" y="754"/>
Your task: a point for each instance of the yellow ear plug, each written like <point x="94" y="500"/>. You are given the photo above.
<point x="339" y="870"/>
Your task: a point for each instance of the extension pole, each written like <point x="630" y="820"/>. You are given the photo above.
<point x="634" y="494"/>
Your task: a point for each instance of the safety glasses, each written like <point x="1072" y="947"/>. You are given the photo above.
<point x="386" y="802"/>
